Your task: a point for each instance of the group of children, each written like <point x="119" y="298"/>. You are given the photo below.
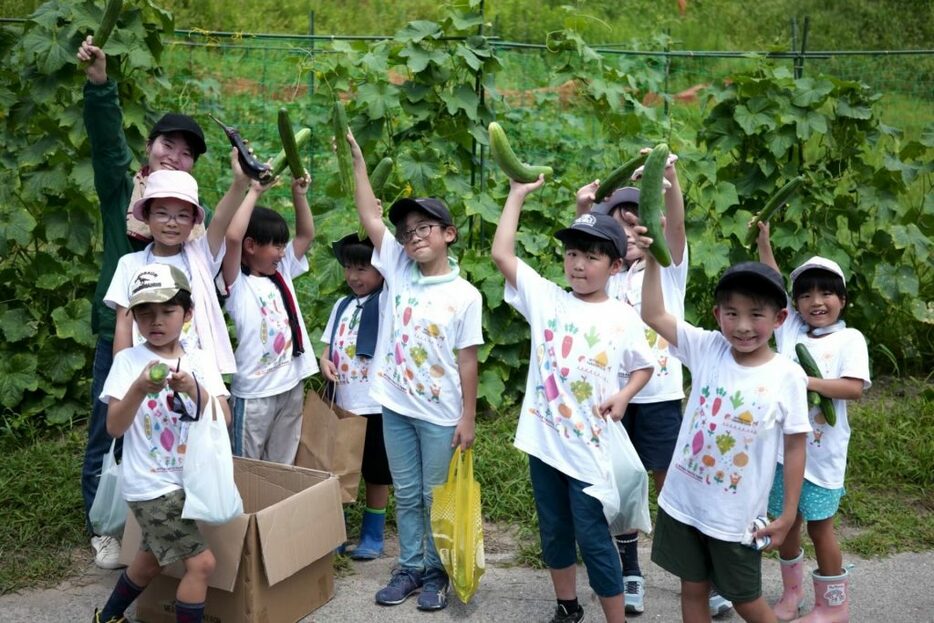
<point x="402" y="350"/>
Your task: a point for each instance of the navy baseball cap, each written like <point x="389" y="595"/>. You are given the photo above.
<point x="350" y="239"/>
<point x="627" y="194"/>
<point x="429" y="205"/>
<point x="175" y="122"/>
<point x="596" y="225"/>
<point x="768" y="277"/>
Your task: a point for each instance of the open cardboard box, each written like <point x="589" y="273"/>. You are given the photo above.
<point x="274" y="562"/>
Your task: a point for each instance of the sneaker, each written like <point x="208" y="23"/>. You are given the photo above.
<point x="634" y="593"/>
<point x="402" y="584"/>
<point x="434" y="595"/>
<point x="106" y="552"/>
<point x="563" y="616"/>
<point x="97" y="618"/>
<point x="718" y="603"/>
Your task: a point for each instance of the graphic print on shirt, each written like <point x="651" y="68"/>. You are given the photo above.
<point x="723" y="428"/>
<point x="275" y="334"/>
<point x="575" y="361"/>
<point x="350" y="368"/>
<point x="166" y="436"/>
<point x="659" y="346"/>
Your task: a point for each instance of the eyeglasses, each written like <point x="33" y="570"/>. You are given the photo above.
<point x="182" y="218"/>
<point x="422" y="230"/>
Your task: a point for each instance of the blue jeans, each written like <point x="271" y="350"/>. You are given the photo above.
<point x="98" y="439"/>
<point x="419" y="454"/>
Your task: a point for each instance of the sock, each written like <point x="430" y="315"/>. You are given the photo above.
<point x="376" y="511"/>
<point x="120" y="599"/>
<point x="628" y="547"/>
<point x="570" y="605"/>
<point x="188" y="613"/>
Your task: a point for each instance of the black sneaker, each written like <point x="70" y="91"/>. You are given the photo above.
<point x="563" y="616"/>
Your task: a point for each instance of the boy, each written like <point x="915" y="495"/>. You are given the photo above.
<point x="654" y="414"/>
<point x="426" y="371"/>
<point x="351" y="335"/>
<point x="583" y="342"/>
<point x="153" y="417"/>
<point x="745" y="402"/>
<point x="260" y="264"/>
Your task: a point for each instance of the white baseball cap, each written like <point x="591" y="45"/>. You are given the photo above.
<point x="819" y="262"/>
<point x="168" y="183"/>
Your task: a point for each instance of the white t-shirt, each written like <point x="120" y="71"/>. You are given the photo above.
<point x="421" y="328"/>
<point x="353" y="372"/>
<point x="265" y="366"/>
<point x="667" y="382"/>
<point x="839" y="354"/>
<point x="579" y="351"/>
<point x="724" y="461"/>
<point x="154" y="445"/>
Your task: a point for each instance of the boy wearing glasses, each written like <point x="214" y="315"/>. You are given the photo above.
<point x="426" y="371"/>
<point x="152" y="416"/>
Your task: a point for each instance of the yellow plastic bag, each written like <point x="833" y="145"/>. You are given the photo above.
<point x="457" y="525"/>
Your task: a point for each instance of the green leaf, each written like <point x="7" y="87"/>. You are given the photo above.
<point x="17" y="375"/>
<point x="484" y="206"/>
<point x="378" y="98"/>
<point x="419" y="168"/>
<point x="62" y="413"/>
<point x="895" y="282"/>
<point x="811" y="91"/>
<point x="419" y="30"/>
<point x="463" y="97"/>
<point x="419" y="57"/>
<point x="17" y="324"/>
<point x="490" y="387"/>
<point x="16" y="224"/>
<point x="73" y="321"/>
<point x="853" y="111"/>
<point x="59" y="360"/>
<point x="708" y="253"/>
<point x="468" y="56"/>
<point x="74" y="227"/>
<point x="752" y="116"/>
<point x="905" y="236"/>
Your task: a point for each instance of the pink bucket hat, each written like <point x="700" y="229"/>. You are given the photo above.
<point x="166" y="183"/>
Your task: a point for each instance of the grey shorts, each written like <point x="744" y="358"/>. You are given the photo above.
<point x="164" y="533"/>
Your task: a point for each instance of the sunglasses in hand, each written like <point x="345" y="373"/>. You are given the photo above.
<point x="178" y="405"/>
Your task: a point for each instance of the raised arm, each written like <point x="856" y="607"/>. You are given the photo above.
<point x="654" y="313"/>
<point x="764" y="244"/>
<point x="368" y="207"/>
<point x="304" y="221"/>
<point x="237" y="230"/>
<point x="586" y="195"/>
<point x="227" y="206"/>
<point x="675" y="234"/>
<point x="504" y="241"/>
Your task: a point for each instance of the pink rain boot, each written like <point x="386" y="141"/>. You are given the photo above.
<point x="831" y="599"/>
<point x="792" y="598"/>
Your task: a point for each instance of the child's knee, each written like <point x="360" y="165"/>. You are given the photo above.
<point x="144" y="568"/>
<point x="201" y="565"/>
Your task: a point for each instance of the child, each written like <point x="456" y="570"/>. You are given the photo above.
<point x="153" y="417"/>
<point x="351" y="335"/>
<point x="260" y="264"/>
<point x="583" y="344"/>
<point x="426" y="371"/>
<point x="174" y="143"/>
<point x="170" y="207"/>
<point x="745" y="403"/>
<point x="819" y="294"/>
<point x="654" y="414"/>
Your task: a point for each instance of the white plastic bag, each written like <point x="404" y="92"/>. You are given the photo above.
<point x="109" y="509"/>
<point x="625" y="493"/>
<point x="211" y="494"/>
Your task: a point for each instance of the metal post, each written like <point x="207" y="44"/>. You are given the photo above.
<point x="804" y="44"/>
<point x="309" y="148"/>
<point x="667" y="72"/>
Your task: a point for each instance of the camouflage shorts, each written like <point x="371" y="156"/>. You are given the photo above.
<point x="164" y="533"/>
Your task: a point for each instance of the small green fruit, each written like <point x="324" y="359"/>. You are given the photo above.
<point x="158" y="372"/>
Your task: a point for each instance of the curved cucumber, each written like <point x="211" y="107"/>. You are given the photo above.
<point x="380" y="175"/>
<point x="652" y="202"/>
<point x="780" y="198"/>
<point x="617" y="178"/>
<point x="344" y="157"/>
<point x="290" y="144"/>
<point x="810" y="368"/>
<point x="506" y="158"/>
<point x="279" y="163"/>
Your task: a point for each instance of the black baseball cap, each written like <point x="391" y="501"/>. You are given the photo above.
<point x="755" y="272"/>
<point x="596" y="225"/>
<point x="429" y="205"/>
<point x="175" y="122"/>
<point x="627" y="194"/>
<point x="340" y="245"/>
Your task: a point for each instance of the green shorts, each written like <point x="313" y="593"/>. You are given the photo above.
<point x="734" y="569"/>
<point x="164" y="533"/>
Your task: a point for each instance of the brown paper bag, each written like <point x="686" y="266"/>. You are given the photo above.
<point x="332" y="441"/>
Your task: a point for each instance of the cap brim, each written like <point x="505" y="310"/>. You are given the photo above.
<point x="160" y="295"/>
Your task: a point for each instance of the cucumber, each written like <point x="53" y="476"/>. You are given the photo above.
<point x="652" y="202"/>
<point x="777" y="200"/>
<point x="506" y="159"/>
<point x="344" y="157"/>
<point x="158" y="372"/>
<point x="289" y="144"/>
<point x="810" y="368"/>
<point x="380" y="175"/>
<point x="280" y="162"/>
<point x="617" y="177"/>
<point x="108" y="22"/>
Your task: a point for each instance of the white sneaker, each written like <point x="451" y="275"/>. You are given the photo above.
<point x="106" y="552"/>
<point x="634" y="593"/>
<point x="718" y="603"/>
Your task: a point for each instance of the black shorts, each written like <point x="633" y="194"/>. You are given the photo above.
<point x="375" y="469"/>
<point x="653" y="428"/>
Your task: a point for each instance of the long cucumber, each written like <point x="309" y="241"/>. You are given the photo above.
<point x="380" y="175"/>
<point x="652" y="202"/>
<point x="617" y="177"/>
<point x="344" y="157"/>
<point x="107" y="25"/>
<point x="810" y="368"/>
<point x="507" y="160"/>
<point x="280" y="162"/>
<point x="780" y="198"/>
<point x="290" y="144"/>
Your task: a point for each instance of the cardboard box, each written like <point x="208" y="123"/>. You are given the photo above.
<point x="274" y="562"/>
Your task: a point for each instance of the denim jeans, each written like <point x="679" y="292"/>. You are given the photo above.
<point x="98" y="439"/>
<point x="419" y="454"/>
